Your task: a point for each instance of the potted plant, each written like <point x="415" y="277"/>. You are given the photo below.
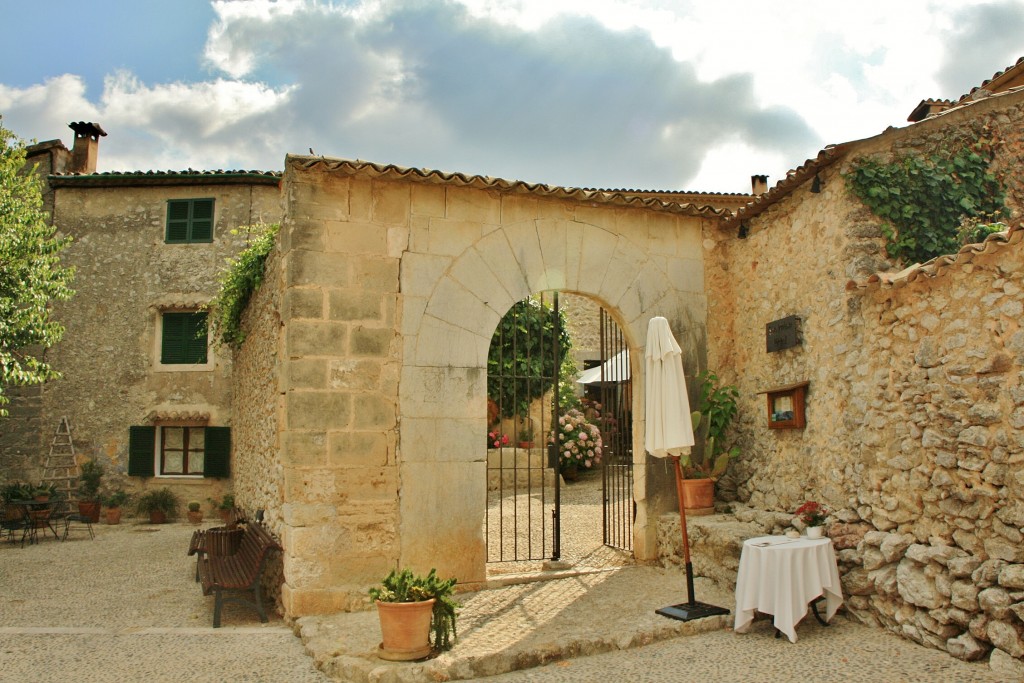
<point x="43" y="491"/>
<point x="704" y="465"/>
<point x="526" y="436"/>
<point x="417" y="614"/>
<point x="89" y="490"/>
<point x="579" y="443"/>
<point x="114" y="502"/>
<point x="224" y="506"/>
<point x="159" y="504"/>
<point x="813" y="515"/>
<point x="195" y="515"/>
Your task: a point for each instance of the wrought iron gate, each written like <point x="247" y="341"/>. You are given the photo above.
<point x="523" y="486"/>
<point x="616" y="425"/>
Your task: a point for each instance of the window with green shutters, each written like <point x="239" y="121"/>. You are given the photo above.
<point x="183" y="338"/>
<point x="189" y="220"/>
<point x="173" y="450"/>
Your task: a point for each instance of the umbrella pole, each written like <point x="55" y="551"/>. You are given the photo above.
<point x="691" y="609"/>
<point x="682" y="526"/>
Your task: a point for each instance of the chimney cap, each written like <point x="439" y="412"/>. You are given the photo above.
<point x="87" y="129"/>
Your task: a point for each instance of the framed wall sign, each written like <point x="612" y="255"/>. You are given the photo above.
<point x="782" y="334"/>
<point x="786" y="406"/>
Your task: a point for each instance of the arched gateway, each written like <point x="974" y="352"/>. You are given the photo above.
<point x="377" y="314"/>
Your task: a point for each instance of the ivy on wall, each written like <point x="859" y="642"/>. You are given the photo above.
<point x="238" y="281"/>
<point x="931" y="203"/>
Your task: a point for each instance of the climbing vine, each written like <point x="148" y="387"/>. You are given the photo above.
<point x="931" y="203"/>
<point x="238" y="281"/>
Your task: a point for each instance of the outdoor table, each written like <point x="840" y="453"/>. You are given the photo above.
<point x="781" y="576"/>
<point x="37" y="516"/>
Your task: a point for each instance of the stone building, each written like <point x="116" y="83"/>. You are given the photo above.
<point x="357" y="403"/>
<point x="140" y="379"/>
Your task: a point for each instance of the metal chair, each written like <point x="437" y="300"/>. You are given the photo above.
<point x="63" y="511"/>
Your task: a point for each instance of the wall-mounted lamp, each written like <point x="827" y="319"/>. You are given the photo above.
<point x="816" y="184"/>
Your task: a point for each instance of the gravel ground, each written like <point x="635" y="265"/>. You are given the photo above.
<point x="125" y="607"/>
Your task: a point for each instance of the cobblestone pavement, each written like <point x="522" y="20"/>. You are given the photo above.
<point x="125" y="607"/>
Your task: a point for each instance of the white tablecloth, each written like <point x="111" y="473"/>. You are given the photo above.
<point x="781" y="576"/>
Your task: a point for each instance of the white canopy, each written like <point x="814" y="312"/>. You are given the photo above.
<point x="616" y="369"/>
<point x="668" y="427"/>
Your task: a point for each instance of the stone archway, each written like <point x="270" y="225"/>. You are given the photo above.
<point x="442" y="397"/>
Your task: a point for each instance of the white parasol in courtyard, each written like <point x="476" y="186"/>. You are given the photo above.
<point x="616" y="369"/>
<point x="669" y="432"/>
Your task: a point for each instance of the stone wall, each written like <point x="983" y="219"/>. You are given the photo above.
<point x="392" y="283"/>
<point x="914" y="429"/>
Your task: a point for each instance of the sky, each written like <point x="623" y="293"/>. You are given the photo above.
<point x="691" y="95"/>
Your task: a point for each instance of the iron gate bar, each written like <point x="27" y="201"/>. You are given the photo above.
<point x="616" y="434"/>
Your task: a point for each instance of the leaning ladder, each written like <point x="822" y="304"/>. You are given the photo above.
<point x="61" y="469"/>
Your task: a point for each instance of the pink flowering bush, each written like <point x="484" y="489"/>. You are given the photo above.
<point x="496" y="439"/>
<point x="579" y="441"/>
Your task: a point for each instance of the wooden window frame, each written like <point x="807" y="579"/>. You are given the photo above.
<point x="185" y="450"/>
<point x="797" y="394"/>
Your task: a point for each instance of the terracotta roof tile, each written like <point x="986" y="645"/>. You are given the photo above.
<point x="826" y="157"/>
<point x="393" y="172"/>
<point x="939" y="265"/>
<point x="189" y="177"/>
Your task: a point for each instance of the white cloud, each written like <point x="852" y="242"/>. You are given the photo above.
<point x="612" y="93"/>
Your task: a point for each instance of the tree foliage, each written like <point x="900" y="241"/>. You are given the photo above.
<point x="522" y="363"/>
<point x="31" y="274"/>
<point x="925" y="199"/>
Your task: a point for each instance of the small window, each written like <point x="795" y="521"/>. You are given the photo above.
<point x="183" y="338"/>
<point x="189" y="220"/>
<point x="179" y="451"/>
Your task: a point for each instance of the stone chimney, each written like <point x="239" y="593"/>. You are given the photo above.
<point x="758" y="184"/>
<point x="87" y="146"/>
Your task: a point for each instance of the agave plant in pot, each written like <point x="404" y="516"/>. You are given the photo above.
<point x="417" y="614"/>
<point x="159" y="504"/>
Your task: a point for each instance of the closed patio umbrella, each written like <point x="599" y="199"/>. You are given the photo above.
<point x="669" y="433"/>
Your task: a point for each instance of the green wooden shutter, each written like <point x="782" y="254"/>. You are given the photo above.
<point x="141" y="451"/>
<point x="184" y="338"/>
<point x="217" y="458"/>
<point x="177" y="221"/>
<point x="202" y="221"/>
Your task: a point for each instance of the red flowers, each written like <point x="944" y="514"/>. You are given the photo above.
<point x="812" y="513"/>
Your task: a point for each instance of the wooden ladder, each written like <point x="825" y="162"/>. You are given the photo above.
<point x="61" y="469"/>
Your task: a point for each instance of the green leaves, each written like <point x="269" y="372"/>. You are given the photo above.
<point x="522" y="362"/>
<point x="31" y="274"/>
<point x="238" y="281"/>
<point x="924" y="199"/>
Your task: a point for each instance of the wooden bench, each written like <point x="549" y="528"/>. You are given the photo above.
<point x="240" y="572"/>
<point x="218" y="540"/>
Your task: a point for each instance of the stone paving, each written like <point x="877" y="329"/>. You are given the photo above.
<point x="124" y="607"/>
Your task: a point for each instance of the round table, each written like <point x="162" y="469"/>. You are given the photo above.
<point x="780" y="576"/>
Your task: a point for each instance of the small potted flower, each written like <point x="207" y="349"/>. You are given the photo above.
<point x="813" y="515"/>
<point x="195" y="514"/>
<point x="114" y="502"/>
<point x="579" y="443"/>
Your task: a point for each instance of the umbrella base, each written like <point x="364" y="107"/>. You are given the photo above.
<point x="688" y="611"/>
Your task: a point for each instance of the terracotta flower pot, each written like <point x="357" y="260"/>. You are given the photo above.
<point x="195" y="517"/>
<point x="90" y="509"/>
<point x="699" y="495"/>
<point x="113" y="515"/>
<point x="157" y="517"/>
<point x="405" y="627"/>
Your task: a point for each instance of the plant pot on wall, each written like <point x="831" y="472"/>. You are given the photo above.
<point x="405" y="628"/>
<point x="699" y="496"/>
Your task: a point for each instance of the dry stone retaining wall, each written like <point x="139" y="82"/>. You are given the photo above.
<point x="914" y="432"/>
